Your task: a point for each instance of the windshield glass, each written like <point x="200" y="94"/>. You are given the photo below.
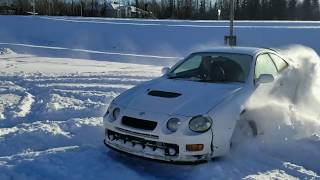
<point x="214" y="67"/>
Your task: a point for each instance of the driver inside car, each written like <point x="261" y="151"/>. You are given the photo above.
<point x="220" y="69"/>
<point x="211" y="69"/>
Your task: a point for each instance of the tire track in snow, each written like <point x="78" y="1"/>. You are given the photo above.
<point x="42" y="135"/>
<point x="21" y="106"/>
<point x="64" y="97"/>
<point x="25" y="105"/>
<point x="88" y="80"/>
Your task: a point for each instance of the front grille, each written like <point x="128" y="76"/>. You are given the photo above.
<point x="139" y="123"/>
<point x="134" y="141"/>
<point x="137" y="134"/>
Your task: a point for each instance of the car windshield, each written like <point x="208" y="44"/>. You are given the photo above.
<point x="214" y="67"/>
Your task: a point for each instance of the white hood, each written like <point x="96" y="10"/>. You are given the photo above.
<point x="196" y="98"/>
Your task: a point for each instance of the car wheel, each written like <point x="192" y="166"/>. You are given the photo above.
<point x="253" y="128"/>
<point x="244" y="130"/>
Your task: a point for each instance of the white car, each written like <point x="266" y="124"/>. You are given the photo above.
<point x="191" y="112"/>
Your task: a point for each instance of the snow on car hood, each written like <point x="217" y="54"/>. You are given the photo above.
<point x="195" y="97"/>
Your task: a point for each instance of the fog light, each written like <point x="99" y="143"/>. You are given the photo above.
<point x="172" y="151"/>
<point x="194" y="147"/>
<point x="111" y="137"/>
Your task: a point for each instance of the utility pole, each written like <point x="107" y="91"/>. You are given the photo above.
<point x="231" y="40"/>
<point x="231" y="17"/>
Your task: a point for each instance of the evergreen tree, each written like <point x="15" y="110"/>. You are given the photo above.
<point x="214" y="11"/>
<point x="244" y="10"/>
<point x="278" y="9"/>
<point x="253" y="9"/>
<point x="265" y="10"/>
<point x="202" y="9"/>
<point x="237" y="12"/>
<point x="292" y="9"/>
<point x="307" y="10"/>
<point x="182" y="9"/>
<point x="316" y="10"/>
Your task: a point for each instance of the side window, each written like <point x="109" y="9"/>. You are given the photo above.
<point x="264" y="65"/>
<point x="280" y="63"/>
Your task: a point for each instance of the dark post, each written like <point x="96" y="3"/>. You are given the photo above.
<point x="231" y="40"/>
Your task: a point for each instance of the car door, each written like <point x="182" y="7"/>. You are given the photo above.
<point x="285" y="85"/>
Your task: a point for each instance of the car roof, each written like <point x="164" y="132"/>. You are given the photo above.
<point x="240" y="50"/>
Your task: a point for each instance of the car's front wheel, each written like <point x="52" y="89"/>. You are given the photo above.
<point x="245" y="129"/>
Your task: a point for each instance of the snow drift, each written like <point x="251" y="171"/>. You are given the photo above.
<point x="290" y="124"/>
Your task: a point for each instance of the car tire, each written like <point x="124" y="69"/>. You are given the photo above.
<point x="253" y="127"/>
<point x="244" y="130"/>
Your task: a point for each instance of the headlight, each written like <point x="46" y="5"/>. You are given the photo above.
<point x="173" y="124"/>
<point x="115" y="113"/>
<point x="200" y="124"/>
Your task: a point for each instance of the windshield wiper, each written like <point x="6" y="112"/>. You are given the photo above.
<point x="176" y="77"/>
<point x="205" y="80"/>
<point x="220" y="81"/>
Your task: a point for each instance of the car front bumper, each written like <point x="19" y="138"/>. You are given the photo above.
<point x="156" y="149"/>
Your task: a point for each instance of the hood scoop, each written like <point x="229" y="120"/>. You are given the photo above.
<point x="163" y="94"/>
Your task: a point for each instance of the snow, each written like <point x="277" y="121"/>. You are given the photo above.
<point x="56" y="83"/>
<point x="116" y="40"/>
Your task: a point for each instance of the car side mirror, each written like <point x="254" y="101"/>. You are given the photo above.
<point x="165" y="70"/>
<point x="265" y="78"/>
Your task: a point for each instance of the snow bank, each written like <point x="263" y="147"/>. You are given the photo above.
<point x="6" y="51"/>
<point x="142" y="41"/>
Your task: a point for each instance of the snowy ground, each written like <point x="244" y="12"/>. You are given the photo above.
<point x="118" y="40"/>
<point x="51" y="108"/>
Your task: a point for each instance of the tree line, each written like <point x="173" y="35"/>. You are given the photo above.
<point x="178" y="9"/>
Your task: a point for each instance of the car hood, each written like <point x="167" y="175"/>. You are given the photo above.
<point x="176" y="97"/>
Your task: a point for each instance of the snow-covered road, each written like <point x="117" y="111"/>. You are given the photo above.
<point x="51" y="127"/>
